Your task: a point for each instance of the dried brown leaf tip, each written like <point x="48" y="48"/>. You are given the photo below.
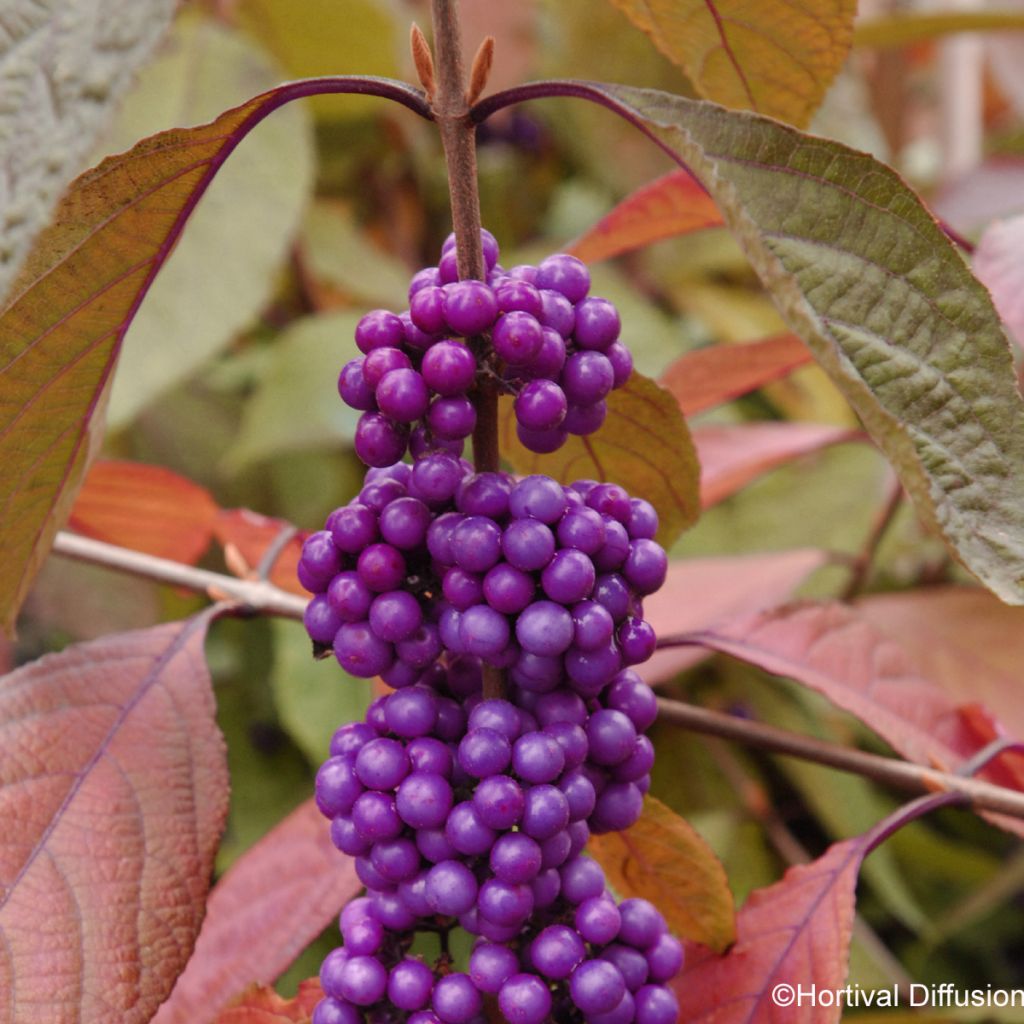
<point x="481" y="70"/>
<point x="423" y="59"/>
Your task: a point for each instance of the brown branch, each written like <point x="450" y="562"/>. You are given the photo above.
<point x="863" y="560"/>
<point x="253" y="595"/>
<point x="890" y="771"/>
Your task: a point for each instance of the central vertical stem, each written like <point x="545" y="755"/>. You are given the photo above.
<point x="458" y="136"/>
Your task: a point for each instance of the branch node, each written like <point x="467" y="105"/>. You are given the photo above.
<point x="423" y="59"/>
<point x="480" y="71"/>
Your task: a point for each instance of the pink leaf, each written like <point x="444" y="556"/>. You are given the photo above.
<point x="794" y="933"/>
<point x="672" y="205"/>
<point x="731" y="457"/>
<point x="719" y="373"/>
<point x="702" y="591"/>
<point x="268" y="907"/>
<point x="999" y="264"/>
<point x="115" y="774"/>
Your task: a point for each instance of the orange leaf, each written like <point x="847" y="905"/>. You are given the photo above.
<point x="719" y="373"/>
<point x="731" y="457"/>
<point x="644" y="445"/>
<point x="261" y="1005"/>
<point x="675" y="204"/>
<point x="268" y="907"/>
<point x="251" y="534"/>
<point x="700" y="592"/>
<point x="664" y="859"/>
<point x="794" y="933"/>
<point x="146" y="508"/>
<point x="114" y="771"/>
<point x="775" y="57"/>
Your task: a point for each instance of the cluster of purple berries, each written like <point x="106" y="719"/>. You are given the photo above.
<point x="462" y="811"/>
<point x="551" y="344"/>
<point x="544" y="580"/>
<point x="472" y="812"/>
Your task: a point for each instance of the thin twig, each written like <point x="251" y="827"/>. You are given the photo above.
<point x="889" y="771"/>
<point x="255" y="595"/>
<point x="864" y="559"/>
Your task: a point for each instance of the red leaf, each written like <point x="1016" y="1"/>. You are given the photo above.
<point x="835" y="649"/>
<point x="702" y="591"/>
<point x="719" y="373"/>
<point x="261" y="1005"/>
<point x="794" y="933"/>
<point x="269" y="906"/>
<point x="672" y="205"/>
<point x="115" y="773"/>
<point x="251" y="534"/>
<point x="146" y="508"/>
<point x="731" y="457"/>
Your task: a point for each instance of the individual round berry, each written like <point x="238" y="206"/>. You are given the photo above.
<point x="582" y="529"/>
<point x="569" y="577"/>
<point x="527" y="544"/>
<point x="632" y="964"/>
<point x="546" y="811"/>
<point x="622" y="362"/>
<point x="424" y="800"/>
<point x="455" y="999"/>
<point x="504" y="904"/>
<point x="484" y="752"/>
<point x="643" y="520"/>
<point x="484" y="494"/>
<point x="565" y="274"/>
<point x="382" y="361"/>
<point x="360" y="652"/>
<point x="597" y="324"/>
<point x="379" y="441"/>
<point x="337" y="786"/>
<point x="451" y="419"/>
<point x="382" y="764"/>
<point x="524" y="999"/>
<point x="378" y="329"/>
<point x="611" y="735"/>
<point x="537" y="757"/>
<point x="610" y="500"/>
<point x="593" y="626"/>
<point x="319" y="561"/>
<point x="451" y="888"/>
<point x="582" y="420"/>
<point x="557" y="312"/>
<point x="537" y="497"/>
<point x="420" y="649"/>
<point x="587" y="377"/>
<point x="646" y="565"/>
<point x="321" y="620"/>
<point x="579" y="793"/>
<point x="507" y="589"/>
<point x="381" y="567"/>
<point x="332" y="1011"/>
<point x="656" y="1004"/>
<point x="618" y="805"/>
<point x="500" y="715"/>
<point x="515" y="858"/>
<point x="516" y="295"/>
<point x="350" y="738"/>
<point x="642" y="924"/>
<point x="540" y="406"/>
<point x="410" y="984"/>
<point x="476" y="543"/>
<point x="353" y="389"/>
<point x="612" y="592"/>
<point x="469" y="307"/>
<point x="517" y="337"/>
<point x="500" y="803"/>
<point x="550" y="358"/>
<point x="431" y="755"/>
<point x="395" y="615"/>
<point x="483" y="631"/>
<point x="491" y="965"/>
<point x="598" y="920"/>
<point x="449" y="368"/>
<point x="582" y="879"/>
<point x="352" y="529"/>
<point x="545" y="628"/>
<point x="466" y="830"/>
<point x="364" y="980"/>
<point x="426" y="309"/>
<point x="402" y="395"/>
<point x="557" y="951"/>
<point x="404" y="522"/>
<point x="637" y="641"/>
<point x="665" y="957"/>
<point x="395" y="860"/>
<point x="435" y="479"/>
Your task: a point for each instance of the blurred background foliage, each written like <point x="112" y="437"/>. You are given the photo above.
<point x="228" y="377"/>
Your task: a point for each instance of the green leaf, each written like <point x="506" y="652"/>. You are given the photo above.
<point x="313" y="697"/>
<point x="222" y="273"/>
<point x="63" y="69"/>
<point x="296" y="404"/>
<point x="774" y="56"/>
<point x="644" y="445"/>
<point x="862" y="272"/>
